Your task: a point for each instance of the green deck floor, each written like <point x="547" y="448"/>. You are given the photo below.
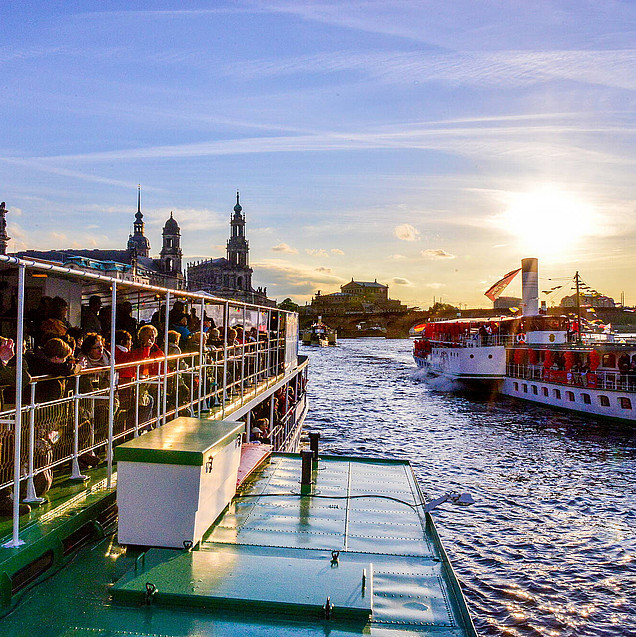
<point x="269" y="556"/>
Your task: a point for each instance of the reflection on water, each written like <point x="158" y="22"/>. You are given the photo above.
<point x="549" y="547"/>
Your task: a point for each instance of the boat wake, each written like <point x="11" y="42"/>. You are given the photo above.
<point x="436" y="383"/>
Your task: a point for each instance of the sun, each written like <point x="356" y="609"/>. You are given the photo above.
<point x="548" y="221"/>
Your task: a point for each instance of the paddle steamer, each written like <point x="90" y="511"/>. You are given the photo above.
<point x="543" y="359"/>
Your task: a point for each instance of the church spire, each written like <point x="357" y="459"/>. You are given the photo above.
<point x="237" y="245"/>
<point x="137" y="241"/>
<point x="4" y="237"/>
<point x="138" y="215"/>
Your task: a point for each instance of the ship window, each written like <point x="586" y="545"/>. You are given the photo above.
<point x="604" y="400"/>
<point x="525" y="388"/>
<point x="516" y="386"/>
<point x="586" y="399"/>
<point x="609" y="360"/>
<point x="489" y="355"/>
<point x="570" y="395"/>
<point x="472" y="356"/>
<point x="556" y="393"/>
<point x="626" y="403"/>
<point x="545" y="391"/>
<point x="535" y="390"/>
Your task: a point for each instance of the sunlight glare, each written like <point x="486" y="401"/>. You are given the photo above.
<point x="548" y="222"/>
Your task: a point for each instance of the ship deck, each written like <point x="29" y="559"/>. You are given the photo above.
<point x="266" y="567"/>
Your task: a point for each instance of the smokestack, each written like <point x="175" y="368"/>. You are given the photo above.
<point x="530" y="286"/>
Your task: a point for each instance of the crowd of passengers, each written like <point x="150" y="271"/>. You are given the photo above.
<point x="57" y="349"/>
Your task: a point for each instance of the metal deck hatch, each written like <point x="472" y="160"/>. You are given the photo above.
<point x="289" y="582"/>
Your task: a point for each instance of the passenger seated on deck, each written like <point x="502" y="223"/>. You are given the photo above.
<point x="260" y="431"/>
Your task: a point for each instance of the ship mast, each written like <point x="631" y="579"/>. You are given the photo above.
<point x="578" y="308"/>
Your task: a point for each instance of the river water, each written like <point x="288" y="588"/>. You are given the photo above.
<point x="549" y="547"/>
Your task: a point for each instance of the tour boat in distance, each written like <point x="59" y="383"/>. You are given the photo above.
<point x="319" y="335"/>
<point x="542" y="359"/>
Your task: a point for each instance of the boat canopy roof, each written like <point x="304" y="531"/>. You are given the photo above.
<point x="502" y="325"/>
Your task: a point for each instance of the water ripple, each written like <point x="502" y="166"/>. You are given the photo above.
<point x="549" y="547"/>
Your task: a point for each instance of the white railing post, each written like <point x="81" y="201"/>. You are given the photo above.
<point x="164" y="384"/>
<point x="243" y="360"/>
<point x="19" y="355"/>
<point x="226" y="318"/>
<point x="31" y="495"/>
<point x="111" y="392"/>
<point x="76" y="474"/>
<point x="202" y="370"/>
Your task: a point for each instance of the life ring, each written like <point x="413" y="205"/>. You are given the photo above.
<point x="521" y="337"/>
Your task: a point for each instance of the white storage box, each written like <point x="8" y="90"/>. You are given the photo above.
<point x="174" y="481"/>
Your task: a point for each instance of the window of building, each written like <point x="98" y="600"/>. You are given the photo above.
<point x="535" y="390"/>
<point x="586" y="399"/>
<point x="525" y="388"/>
<point x="626" y="403"/>
<point x="556" y="393"/>
<point x="570" y="396"/>
<point x="604" y="401"/>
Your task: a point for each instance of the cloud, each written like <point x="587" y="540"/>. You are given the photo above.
<point x="336" y="251"/>
<point x="283" y="247"/>
<point x="324" y="270"/>
<point x="401" y="281"/>
<point x="406" y="232"/>
<point x="317" y="252"/>
<point x="436" y="286"/>
<point x="189" y="219"/>
<point x="396" y="257"/>
<point x="436" y="254"/>
<point x="290" y="280"/>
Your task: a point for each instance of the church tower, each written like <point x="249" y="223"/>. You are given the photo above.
<point x="171" y="252"/>
<point x="4" y="237"/>
<point x="237" y="246"/>
<point x="137" y="242"/>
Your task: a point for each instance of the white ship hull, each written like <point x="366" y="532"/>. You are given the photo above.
<point x="467" y="365"/>
<point x="590" y="401"/>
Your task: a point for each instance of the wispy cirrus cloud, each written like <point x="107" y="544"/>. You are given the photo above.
<point x="337" y="251"/>
<point x="284" y="248"/>
<point x="436" y="254"/>
<point x="406" y="232"/>
<point x="401" y="281"/>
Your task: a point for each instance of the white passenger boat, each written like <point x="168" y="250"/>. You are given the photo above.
<point x="535" y="357"/>
<point x="190" y="523"/>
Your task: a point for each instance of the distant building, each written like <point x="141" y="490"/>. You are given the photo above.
<point x="133" y="263"/>
<point x="590" y="300"/>
<point x="356" y="297"/>
<point x="229" y="277"/>
<point x="506" y="302"/>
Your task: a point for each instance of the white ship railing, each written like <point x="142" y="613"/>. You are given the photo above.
<point x="39" y="438"/>
<point x="599" y="379"/>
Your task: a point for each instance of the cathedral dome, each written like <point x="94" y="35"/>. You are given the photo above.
<point x="171" y="226"/>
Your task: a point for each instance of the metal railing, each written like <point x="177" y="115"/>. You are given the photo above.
<point x="74" y="428"/>
<point x="598" y="379"/>
<point x="37" y="438"/>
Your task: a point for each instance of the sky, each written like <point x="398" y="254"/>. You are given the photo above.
<point x="430" y="145"/>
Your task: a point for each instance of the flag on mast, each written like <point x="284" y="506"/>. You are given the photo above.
<point x="495" y="291"/>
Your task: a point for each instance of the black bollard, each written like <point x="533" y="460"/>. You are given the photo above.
<point x="314" y="437"/>
<point x="305" y="472"/>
